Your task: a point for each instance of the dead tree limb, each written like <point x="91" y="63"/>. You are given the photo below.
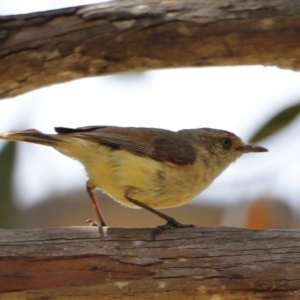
<point x="43" y="48"/>
<point x="195" y="263"/>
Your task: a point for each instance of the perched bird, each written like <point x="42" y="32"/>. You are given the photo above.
<point x="148" y="168"/>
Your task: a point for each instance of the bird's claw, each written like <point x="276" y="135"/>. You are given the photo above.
<point x="91" y="222"/>
<point x="171" y="223"/>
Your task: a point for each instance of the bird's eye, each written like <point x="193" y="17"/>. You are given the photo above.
<point x="226" y="143"/>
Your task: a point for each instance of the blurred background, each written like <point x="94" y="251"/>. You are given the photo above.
<point x="40" y="187"/>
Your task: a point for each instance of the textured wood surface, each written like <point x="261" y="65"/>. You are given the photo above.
<point x="197" y="263"/>
<point x="43" y="48"/>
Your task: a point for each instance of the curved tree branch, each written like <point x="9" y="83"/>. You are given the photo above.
<point x="43" y="48"/>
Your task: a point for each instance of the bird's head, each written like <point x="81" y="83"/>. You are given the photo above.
<point x="224" y="146"/>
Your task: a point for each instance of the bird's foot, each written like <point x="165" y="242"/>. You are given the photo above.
<point x="91" y="222"/>
<point x="171" y="223"/>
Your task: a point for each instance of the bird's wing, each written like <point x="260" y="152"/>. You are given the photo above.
<point x="160" y="144"/>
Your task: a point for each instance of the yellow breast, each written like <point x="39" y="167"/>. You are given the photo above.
<point x="155" y="183"/>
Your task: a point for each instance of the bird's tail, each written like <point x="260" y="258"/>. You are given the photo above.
<point x="32" y="136"/>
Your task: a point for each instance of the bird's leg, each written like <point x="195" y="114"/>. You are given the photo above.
<point x="171" y="222"/>
<point x="91" y="190"/>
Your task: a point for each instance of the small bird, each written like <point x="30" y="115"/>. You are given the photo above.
<point x="146" y="168"/>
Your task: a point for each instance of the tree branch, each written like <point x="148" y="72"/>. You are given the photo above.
<point x="195" y="263"/>
<point x="56" y="46"/>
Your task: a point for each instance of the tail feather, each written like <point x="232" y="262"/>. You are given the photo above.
<point x="31" y="136"/>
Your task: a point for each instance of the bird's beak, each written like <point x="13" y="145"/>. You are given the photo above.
<point x="252" y="148"/>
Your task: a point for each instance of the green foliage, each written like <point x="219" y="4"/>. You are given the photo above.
<point x="7" y="161"/>
<point x="277" y="123"/>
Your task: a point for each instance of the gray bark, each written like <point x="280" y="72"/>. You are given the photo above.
<point x="43" y="48"/>
<point x="194" y="263"/>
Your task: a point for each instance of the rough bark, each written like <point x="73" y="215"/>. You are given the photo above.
<point x="195" y="263"/>
<point x="55" y="46"/>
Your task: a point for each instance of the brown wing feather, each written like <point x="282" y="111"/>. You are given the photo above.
<point x="159" y="144"/>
